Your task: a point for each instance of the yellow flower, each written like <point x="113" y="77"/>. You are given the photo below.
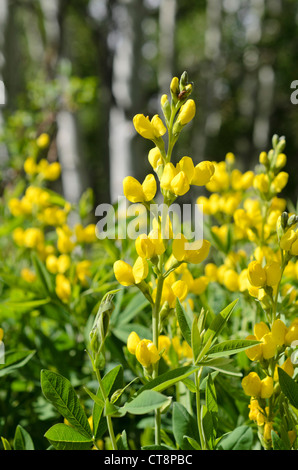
<point x="52" y="171"/>
<point x="151" y="130"/>
<point x="168" y="175"/>
<point x="187" y="112"/>
<point x="33" y="237"/>
<point x="147" y="353"/>
<point x="144" y="246"/>
<point x="273" y="273"/>
<point x="28" y="275"/>
<point x="268" y="427"/>
<point x="287" y="240"/>
<point x="155" y="158"/>
<point x="140" y="270"/>
<point x="280" y="181"/>
<point x="256" y="274"/>
<point x="180" y="184"/>
<point x="194" y="252"/>
<point x="180" y="290"/>
<point x="43" y="140"/>
<point x="132" y="342"/>
<point x="261" y="183"/>
<point x="123" y="273"/>
<point x="292" y="333"/>
<point x="1" y="334"/>
<point x="203" y="173"/>
<point x="128" y="275"/>
<point x="231" y="280"/>
<point x="134" y="191"/>
<point x="211" y="271"/>
<point x="63" y="288"/>
<point x="253" y="386"/>
<point x="30" y="166"/>
<point x="269" y="341"/>
<point x="64" y="242"/>
<point x="164" y="343"/>
<point x="83" y="271"/>
<point x="266" y="387"/>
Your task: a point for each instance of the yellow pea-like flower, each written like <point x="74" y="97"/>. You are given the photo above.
<point x="135" y="192"/>
<point x="132" y="342"/>
<point x="266" y="387"/>
<point x="280" y="181"/>
<point x="194" y="252"/>
<point x="123" y="273"/>
<point x="28" y="275"/>
<point x="180" y="290"/>
<point x="151" y="130"/>
<point x="261" y="183"/>
<point x="187" y="112"/>
<point x="273" y="273"/>
<point x="30" y="166"/>
<point x="144" y="246"/>
<point x="63" y="287"/>
<point x="155" y="158"/>
<point x="147" y="353"/>
<point x="180" y="184"/>
<point x="287" y="240"/>
<point x="251" y="384"/>
<point x="268" y="427"/>
<point x="186" y="165"/>
<point x="256" y="274"/>
<point x="292" y="333"/>
<point x="140" y="270"/>
<point x="43" y="140"/>
<point x="203" y="173"/>
<point x="168" y="175"/>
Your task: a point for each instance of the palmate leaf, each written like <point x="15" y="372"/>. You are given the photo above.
<point x="59" y="391"/>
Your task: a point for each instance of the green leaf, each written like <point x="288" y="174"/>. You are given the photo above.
<point x="219" y="322"/>
<point x="277" y="443"/>
<point x="22" y="439"/>
<point x="289" y="387"/>
<point x="135" y="306"/>
<point x="6" y="444"/>
<point x="233" y="346"/>
<point x="14" y="360"/>
<point x="193" y="443"/>
<point x="195" y="338"/>
<point x="169" y="378"/>
<point x="183" y="424"/>
<point x="240" y="438"/>
<point x="111" y="382"/>
<point x="122" y="443"/>
<point x="183" y="322"/>
<point x="63" y="437"/>
<point x="59" y="391"/>
<point x="43" y="275"/>
<point x="145" y="402"/>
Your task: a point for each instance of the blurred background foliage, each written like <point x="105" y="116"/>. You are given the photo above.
<point x="81" y="69"/>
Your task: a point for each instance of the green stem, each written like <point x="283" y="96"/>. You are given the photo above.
<point x="198" y="406"/>
<point x="109" y="419"/>
<point x="155" y="332"/>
